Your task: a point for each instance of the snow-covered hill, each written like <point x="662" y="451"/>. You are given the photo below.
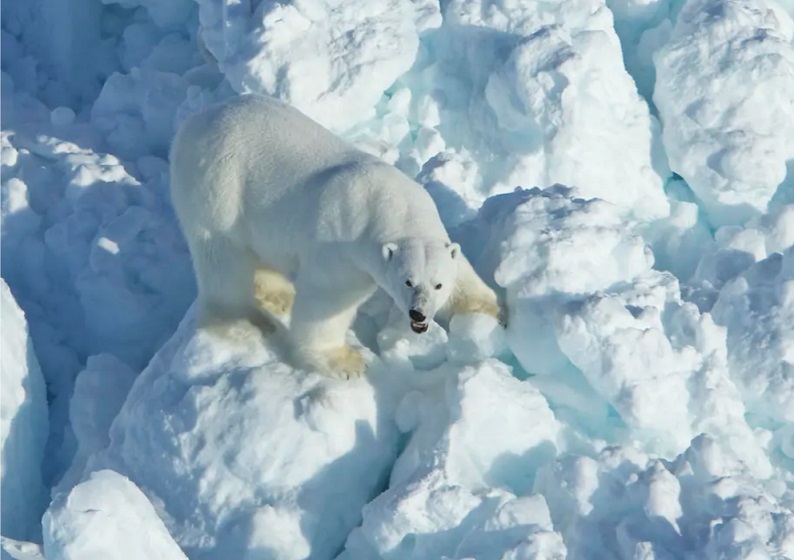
<point x="622" y="172"/>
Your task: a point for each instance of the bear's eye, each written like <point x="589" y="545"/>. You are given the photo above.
<point x="409" y="284"/>
<point x="438" y="286"/>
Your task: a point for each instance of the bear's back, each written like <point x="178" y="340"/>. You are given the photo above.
<point x="258" y="139"/>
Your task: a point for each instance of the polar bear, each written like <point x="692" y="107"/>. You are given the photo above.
<point x="268" y="198"/>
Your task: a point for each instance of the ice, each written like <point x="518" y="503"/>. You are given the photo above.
<point x="99" y="392"/>
<point x="452" y="490"/>
<point x="643" y="27"/>
<point x="582" y="294"/>
<point x="19" y="550"/>
<point x="59" y="53"/>
<point x="475" y="337"/>
<point x="758" y="310"/>
<point x="703" y="504"/>
<point x="638" y="405"/>
<point x="545" y="247"/>
<point x="93" y="255"/>
<point x="107" y="517"/>
<point x="23" y="426"/>
<point x="539" y="95"/>
<point x="331" y="59"/>
<point x="722" y="128"/>
<point x="245" y="453"/>
<point x="663" y="366"/>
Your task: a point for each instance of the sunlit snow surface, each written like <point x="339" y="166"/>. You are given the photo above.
<point x="640" y="404"/>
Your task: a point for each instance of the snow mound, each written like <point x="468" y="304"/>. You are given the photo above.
<point x="662" y="366"/>
<point x="477" y="437"/>
<point x="758" y="310"/>
<point x="545" y="247"/>
<point x="19" y="550"/>
<point x="587" y="310"/>
<point x="331" y="59"/>
<point x="99" y="393"/>
<point x="23" y="425"/>
<point x="704" y="504"/>
<point x="537" y="94"/>
<point x="241" y="452"/>
<point x="722" y="124"/>
<point x="106" y="517"/>
<point x="135" y="111"/>
<point x="92" y="252"/>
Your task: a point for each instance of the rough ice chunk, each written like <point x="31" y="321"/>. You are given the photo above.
<point x="663" y="366"/>
<point x="543" y="248"/>
<point x="93" y="255"/>
<point x="107" y="517"/>
<point x="99" y="392"/>
<point x="757" y="308"/>
<point x="702" y="505"/>
<point x="331" y="59"/>
<point x="243" y="452"/>
<point x="722" y="123"/>
<point x="539" y="94"/>
<point x="23" y="425"/>
<point x="453" y="490"/>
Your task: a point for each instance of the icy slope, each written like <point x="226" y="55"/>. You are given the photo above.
<point x="23" y="425"/>
<point x="245" y="453"/>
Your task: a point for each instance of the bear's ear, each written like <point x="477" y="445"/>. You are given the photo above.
<point x="388" y="251"/>
<point x="454" y="249"/>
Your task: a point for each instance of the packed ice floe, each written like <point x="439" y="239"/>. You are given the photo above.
<point x="620" y="172"/>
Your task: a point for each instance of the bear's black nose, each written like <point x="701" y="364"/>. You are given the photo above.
<point x="417" y="316"/>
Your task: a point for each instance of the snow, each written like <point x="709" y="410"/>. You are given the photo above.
<point x="23" y="425"/>
<point x="99" y="515"/>
<point x="758" y="308"/>
<point x="452" y="490"/>
<point x="621" y="174"/>
<point x="703" y="504"/>
<point x="321" y="448"/>
<point x="723" y="133"/>
<point x="19" y="550"/>
<point x="329" y="58"/>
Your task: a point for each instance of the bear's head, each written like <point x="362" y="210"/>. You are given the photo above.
<point x="420" y="277"/>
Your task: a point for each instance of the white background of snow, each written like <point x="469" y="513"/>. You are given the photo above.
<point x="640" y="320"/>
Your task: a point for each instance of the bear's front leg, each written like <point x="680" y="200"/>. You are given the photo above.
<point x="321" y="317"/>
<point x="472" y="295"/>
<point x="273" y="291"/>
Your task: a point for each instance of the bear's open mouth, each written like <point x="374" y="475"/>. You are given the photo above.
<point x="418" y="328"/>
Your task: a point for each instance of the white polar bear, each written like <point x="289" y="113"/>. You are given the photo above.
<point x="263" y="191"/>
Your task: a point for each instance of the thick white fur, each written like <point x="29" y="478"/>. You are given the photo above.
<point x="264" y="194"/>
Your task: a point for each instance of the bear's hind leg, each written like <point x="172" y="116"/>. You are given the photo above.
<point x="320" y="320"/>
<point x="273" y="291"/>
<point x="225" y="277"/>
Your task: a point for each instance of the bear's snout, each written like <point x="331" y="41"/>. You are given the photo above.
<point x="418" y="321"/>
